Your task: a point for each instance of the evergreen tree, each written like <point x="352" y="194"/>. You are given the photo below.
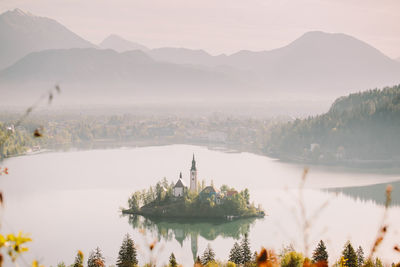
<point x="246" y="252"/>
<point x="172" y="260"/>
<point x="235" y="254"/>
<point x="320" y="254"/>
<point x="78" y="259"/>
<point x="127" y="253"/>
<point x="350" y="255"/>
<point x="360" y="256"/>
<point x="208" y="255"/>
<point x="96" y="259"/>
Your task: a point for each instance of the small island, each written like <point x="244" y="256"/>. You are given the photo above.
<point x="197" y="201"/>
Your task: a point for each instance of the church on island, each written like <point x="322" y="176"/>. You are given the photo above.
<point x="180" y="187"/>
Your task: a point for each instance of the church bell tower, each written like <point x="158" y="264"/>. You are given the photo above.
<point x="193" y="176"/>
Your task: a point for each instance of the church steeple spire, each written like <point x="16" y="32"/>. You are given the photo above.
<point x="193" y="176"/>
<point x="193" y="164"/>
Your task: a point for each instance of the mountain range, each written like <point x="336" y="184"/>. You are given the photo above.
<point x="37" y="50"/>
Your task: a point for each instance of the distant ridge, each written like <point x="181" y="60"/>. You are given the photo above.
<point x="96" y="69"/>
<point x="119" y="44"/>
<point x="22" y="33"/>
<point x="316" y="62"/>
<point x="185" y="56"/>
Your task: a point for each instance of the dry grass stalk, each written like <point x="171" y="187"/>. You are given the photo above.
<point x="383" y="226"/>
<point x="306" y="222"/>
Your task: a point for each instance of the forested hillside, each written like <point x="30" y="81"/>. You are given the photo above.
<point x="358" y="128"/>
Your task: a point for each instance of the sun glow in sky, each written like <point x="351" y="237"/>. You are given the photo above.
<point x="222" y="26"/>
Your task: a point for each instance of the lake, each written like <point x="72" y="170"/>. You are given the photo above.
<point x="71" y="200"/>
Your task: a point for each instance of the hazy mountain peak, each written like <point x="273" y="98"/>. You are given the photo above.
<point x="320" y="37"/>
<point x="120" y="44"/>
<point x="331" y="42"/>
<point x="17" y="12"/>
<point x="22" y="33"/>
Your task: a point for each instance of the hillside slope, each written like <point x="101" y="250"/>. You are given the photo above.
<point x="361" y="127"/>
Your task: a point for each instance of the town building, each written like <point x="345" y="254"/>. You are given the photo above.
<point x="180" y="187"/>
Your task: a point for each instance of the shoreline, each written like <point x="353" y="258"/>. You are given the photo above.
<point x="217" y="218"/>
<point x="390" y="166"/>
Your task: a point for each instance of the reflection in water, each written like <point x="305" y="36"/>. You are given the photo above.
<point x="372" y="192"/>
<point x="180" y="229"/>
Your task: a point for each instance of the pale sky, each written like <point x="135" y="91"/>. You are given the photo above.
<point x="222" y="26"/>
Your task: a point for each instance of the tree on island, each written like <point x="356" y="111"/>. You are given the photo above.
<point x="78" y="259"/>
<point x="245" y="247"/>
<point x="208" y="255"/>
<point x="350" y="255"/>
<point x="172" y="261"/>
<point x="235" y="254"/>
<point x="360" y="256"/>
<point x="246" y="195"/>
<point x="320" y="254"/>
<point x="127" y="256"/>
<point x="96" y="259"/>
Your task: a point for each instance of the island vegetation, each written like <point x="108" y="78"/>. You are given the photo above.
<point x="207" y="203"/>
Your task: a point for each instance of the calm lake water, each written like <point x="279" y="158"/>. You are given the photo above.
<point x="71" y="200"/>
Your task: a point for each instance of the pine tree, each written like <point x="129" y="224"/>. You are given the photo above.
<point x="350" y="255"/>
<point x="320" y="254"/>
<point x="360" y="256"/>
<point x="235" y="254"/>
<point x="78" y="259"/>
<point x="208" y="255"/>
<point x="96" y="259"/>
<point x="172" y="260"/>
<point x="127" y="253"/>
<point x="246" y="252"/>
